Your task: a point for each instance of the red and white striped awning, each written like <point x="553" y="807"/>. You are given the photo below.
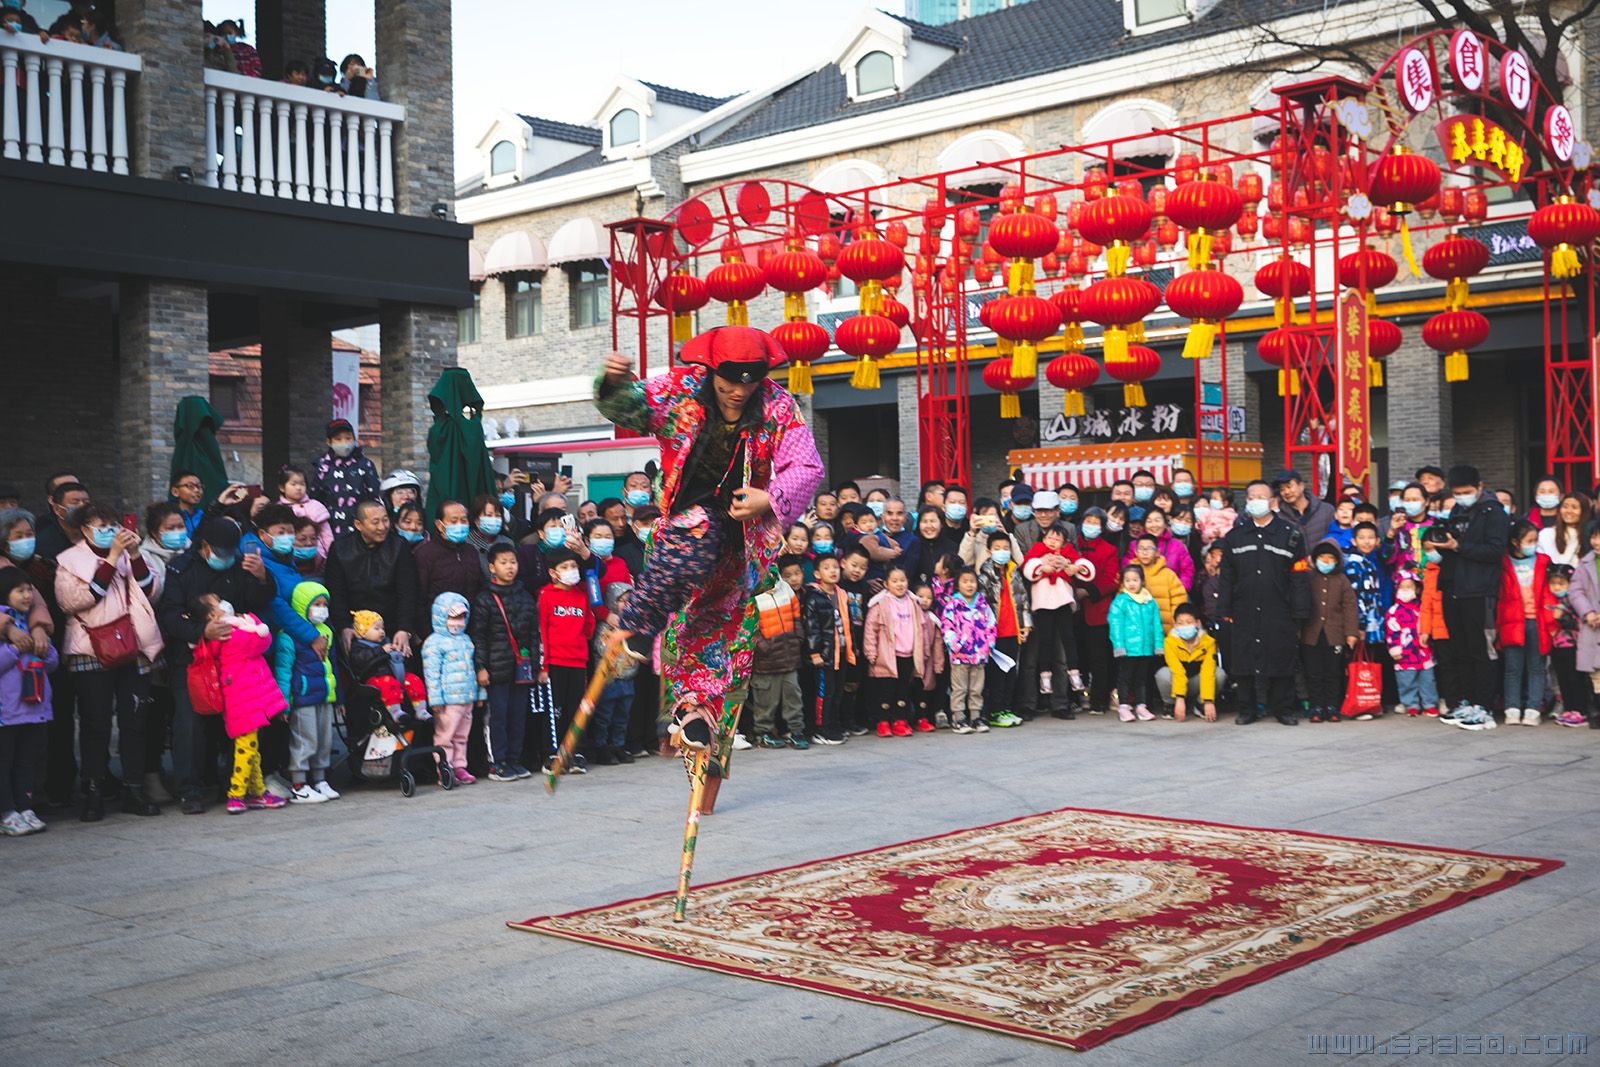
<point x="1098" y="473"/>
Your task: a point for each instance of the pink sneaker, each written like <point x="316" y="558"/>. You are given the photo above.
<point x="463" y="778"/>
<point x="236" y="806"/>
<point x="1124" y="713"/>
<point x="265" y="800"/>
<point x="1143" y="713"/>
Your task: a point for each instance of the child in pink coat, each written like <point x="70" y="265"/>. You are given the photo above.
<point x="292" y="491"/>
<point x="1214" y="515"/>
<point x="250" y="699"/>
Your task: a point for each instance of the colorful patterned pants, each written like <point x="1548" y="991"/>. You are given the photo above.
<point x="246" y="780"/>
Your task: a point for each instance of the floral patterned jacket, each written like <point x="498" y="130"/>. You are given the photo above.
<point x="337" y="483"/>
<point x="1402" y="626"/>
<point x="969" y="628"/>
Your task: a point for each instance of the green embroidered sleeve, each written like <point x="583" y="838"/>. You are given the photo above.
<point x="624" y="405"/>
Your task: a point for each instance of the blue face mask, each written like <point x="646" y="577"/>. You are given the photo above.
<point x="283" y="544"/>
<point x="1187" y="631"/>
<point x="1256" y="508"/>
<point x="637" y="498"/>
<point x="1395" y="503"/>
<point x="555" y="536"/>
<point x="955" y="512"/>
<point x="490" y="525"/>
<point x="1069" y="507"/>
<point x="1001" y="556"/>
<point x="1023" y="512"/>
<point x="1560" y="594"/>
<point x="305" y="552"/>
<point x="218" y="562"/>
<point x="455" y="532"/>
<point x="1090" y="532"/>
<point x="233" y="38"/>
<point x="508" y="498"/>
<point x="876" y="507"/>
<point x="602" y="546"/>
<point x="22" y="548"/>
<point x="174" y="540"/>
<point x="1144" y="493"/>
<point x="1432" y="557"/>
<point x="1466" y="500"/>
<point x="103" y="536"/>
<point x="1181" y="529"/>
<point x="1326" y="566"/>
<point x="1414" y="507"/>
<point x="1183" y="490"/>
<point x="325" y="79"/>
<point x="413" y="536"/>
<point x="822" y="548"/>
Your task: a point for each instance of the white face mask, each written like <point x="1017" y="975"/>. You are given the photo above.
<point x="1405" y="596"/>
<point x="225" y="607"/>
<point x="456" y="626"/>
<point x="567" y="575"/>
<point x="317" y="613"/>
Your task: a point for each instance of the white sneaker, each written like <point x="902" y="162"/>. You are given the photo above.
<point x="1513" y="716"/>
<point x="304" y="794"/>
<point x="35" y="823"/>
<point x="14" y="825"/>
<point x="740" y="744"/>
<point x="1531" y="717"/>
<point x="327" y="791"/>
<point x="279" y="787"/>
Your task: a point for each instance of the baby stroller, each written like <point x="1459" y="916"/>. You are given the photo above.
<point x="410" y="763"/>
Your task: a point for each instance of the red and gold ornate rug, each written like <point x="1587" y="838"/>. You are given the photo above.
<point x="1072" y="926"/>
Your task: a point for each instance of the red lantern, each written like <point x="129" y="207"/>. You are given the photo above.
<point x="1401" y="179"/>
<point x="1145" y="254"/>
<point x="1250" y="189"/>
<point x="869" y="338"/>
<point x="1166" y="233"/>
<point x="1249" y="224"/>
<point x="796" y="270"/>
<point x="1380" y="270"/>
<point x="1384" y="221"/>
<point x="1450" y="204"/>
<point x="1456" y="257"/>
<point x="1475" y="206"/>
<point x="1186" y="167"/>
<point x="1095" y="183"/>
<point x="1022" y="235"/>
<point x="894" y="311"/>
<point x="1157" y="199"/>
<point x="1274" y="348"/>
<point x="805" y="343"/>
<point x="1010" y="199"/>
<point x="1116" y="222"/>
<point x="1271" y="228"/>
<point x="1137" y="365"/>
<point x="1207" y="297"/>
<point x="1074" y="372"/>
<point x="1452" y="333"/>
<point x="1561" y="229"/>
<point x="828" y="247"/>
<point x="1064" y="243"/>
<point x="1203" y="207"/>
<point x="736" y="283"/>
<point x="1118" y="303"/>
<point x="1077" y="266"/>
<point x="1300" y="231"/>
<point x="1024" y="320"/>
<point x="968" y="222"/>
<point x="869" y="258"/>
<point x="895" y="233"/>
<point x="1069" y="303"/>
<point x="684" y="294"/>
<point x="1045" y="204"/>
<point x="999" y="376"/>
<point x="1284" y="280"/>
<point x="1383" y="338"/>
<point x="983" y="272"/>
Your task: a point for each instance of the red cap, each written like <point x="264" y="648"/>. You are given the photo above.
<point x="737" y="353"/>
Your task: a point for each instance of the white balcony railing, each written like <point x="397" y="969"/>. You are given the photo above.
<point x="301" y="144"/>
<point x="64" y="104"/>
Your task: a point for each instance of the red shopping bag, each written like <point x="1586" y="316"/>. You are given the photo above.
<point x="1363" y="691"/>
<point x="205" y="679"/>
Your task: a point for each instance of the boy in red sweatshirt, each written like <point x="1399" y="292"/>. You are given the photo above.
<point x="566" y="623"/>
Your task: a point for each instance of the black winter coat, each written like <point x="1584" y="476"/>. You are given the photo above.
<point x="363" y="578"/>
<point x="1483" y="536"/>
<point x="1266" y="590"/>
<point x="820" y="623"/>
<point x="492" y="650"/>
<point x="188" y="577"/>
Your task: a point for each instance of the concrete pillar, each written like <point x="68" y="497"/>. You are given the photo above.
<point x="1421" y="408"/>
<point x="166" y="101"/>
<point x="413" y="65"/>
<point x="162" y="358"/>
<point x="291" y="29"/>
<point x="296" y="377"/>
<point x="909" y="429"/>
<point x="417" y="344"/>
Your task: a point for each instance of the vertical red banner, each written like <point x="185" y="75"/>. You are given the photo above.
<point x="1354" y="399"/>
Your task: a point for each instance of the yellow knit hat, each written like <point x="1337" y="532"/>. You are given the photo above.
<point x="364" y="621"/>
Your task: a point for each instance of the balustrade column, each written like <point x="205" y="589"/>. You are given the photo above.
<point x="211" y="138"/>
<point x="9" y="125"/>
<point x="336" y="158"/>
<point x="264" y="149"/>
<point x="32" y="134"/>
<point x="119" y="122"/>
<point x="230" y="167"/>
<point x="319" y="156"/>
<point x="97" y="127"/>
<point x="77" y="156"/>
<point x="55" y="134"/>
<point x="285" y="152"/>
<point x="369" y="172"/>
<point x="247" y="141"/>
<point x="386" y="166"/>
<point x="302" y="156"/>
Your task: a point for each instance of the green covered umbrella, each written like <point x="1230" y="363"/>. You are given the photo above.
<point x="194" y="445"/>
<point x="458" y="460"/>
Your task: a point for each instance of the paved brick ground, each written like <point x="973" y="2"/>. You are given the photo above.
<point x="369" y="930"/>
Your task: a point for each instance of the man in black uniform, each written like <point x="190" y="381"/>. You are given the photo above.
<point x="1469" y="578"/>
<point x="1265" y="593"/>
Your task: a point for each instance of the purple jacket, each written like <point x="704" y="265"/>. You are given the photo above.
<point x="1176" y="554"/>
<point x="13" y="712"/>
<point x="969" y="628"/>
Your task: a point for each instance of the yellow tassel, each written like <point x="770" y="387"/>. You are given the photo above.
<point x="1455" y="293"/>
<point x="1010" y="406"/>
<point x="1116" y="345"/>
<point x="1288" y="383"/>
<point x="682" y="327"/>
<point x="1405" y="244"/>
<point x="869" y="297"/>
<point x="1280" y="308"/>
<point x="1564" y="261"/>
<point x="1374" y="374"/>
<point x="1455" y="367"/>
<point x="738" y="313"/>
<point x="1117" y="259"/>
<point x="1199" y="250"/>
<point x="1133" y="394"/>
<point x="1372" y="303"/>
<point x="1019" y="276"/>
<point x="1004" y="346"/>
<point x="1136" y="332"/>
<point x="1202" y="335"/>
<point x="794" y="306"/>
<point x="1072" y="403"/>
<point x="1072" y="337"/>
<point x="800" y="379"/>
<point x="1025" y="360"/>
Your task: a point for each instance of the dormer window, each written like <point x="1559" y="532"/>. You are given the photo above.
<point x="624" y="127"/>
<point x="502" y="158"/>
<point x="875" y="74"/>
<point x="1147" y="16"/>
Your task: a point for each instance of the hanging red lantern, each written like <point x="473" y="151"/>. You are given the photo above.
<point x="1138" y="365"/>
<point x="1452" y="333"/>
<point x="1095" y="183"/>
<point x="1024" y="320"/>
<point x="1157" y="199"/>
<point x="1249" y="188"/>
<point x="1450" y="204"/>
<point x="796" y="269"/>
<point x="805" y="343"/>
<point x="1300" y="231"/>
<point x="1384" y="221"/>
<point x="895" y="233"/>
<point x="1074" y="372"/>
<point x="1249" y="224"/>
<point x="735" y="282"/>
<point x="1050" y="264"/>
<point x="1283" y="280"/>
<point x="1383" y="339"/>
<point x="1203" y="207"/>
<point x="1045" y="204"/>
<point x="869" y="338"/>
<point x="1272" y="228"/>
<point x="1429" y="207"/>
<point x="1010" y="198"/>
<point x="1561" y="228"/>
<point x="968" y="223"/>
<point x="999" y="376"/>
<point x="1064" y="243"/>
<point x="1069" y="304"/>
<point x="1145" y="254"/>
<point x="1454" y="260"/>
<point x="1119" y="304"/>
<point x="1275" y="199"/>
<point x="1274" y="348"/>
<point x="1221" y="245"/>
<point x="684" y="294"/>
<point x="1186" y="167"/>
<point x="1207" y="297"/>
<point x="983" y="272"/>
<point x="894" y="311"/>
<point x="1077" y="266"/>
<point x="1474" y="206"/>
<point x="1130" y="187"/>
<point x="1166" y="233"/>
<point x="1022" y="235"/>
<point x="870" y="258"/>
<point x="1380" y="270"/>
<point x="1399" y="181"/>
<point x="1116" y="222"/>
<point x="828" y="247"/>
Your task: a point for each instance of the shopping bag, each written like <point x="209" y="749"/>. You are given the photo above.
<point x="1363" y="692"/>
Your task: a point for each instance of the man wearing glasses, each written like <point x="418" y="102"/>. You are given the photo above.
<point x="187" y="492"/>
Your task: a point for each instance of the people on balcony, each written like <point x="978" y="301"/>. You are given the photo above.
<point x="247" y="59"/>
<point x="216" y="53"/>
<point x="100" y="31"/>
<point x="16" y="20"/>
<point x="357" y="79"/>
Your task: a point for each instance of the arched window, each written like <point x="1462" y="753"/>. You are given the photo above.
<point x="502" y="158"/>
<point x="874" y="73"/>
<point x="624" y="127"/>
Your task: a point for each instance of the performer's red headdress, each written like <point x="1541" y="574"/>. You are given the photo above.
<point x="735" y="353"/>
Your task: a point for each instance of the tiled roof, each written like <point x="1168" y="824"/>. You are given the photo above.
<point x="949" y="36"/>
<point x="586" y="161"/>
<point x="1003" y="46"/>
<point x="562" y="131"/>
<point x="683" y="98"/>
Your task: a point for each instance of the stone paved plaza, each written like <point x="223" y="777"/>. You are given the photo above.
<point x="370" y="930"/>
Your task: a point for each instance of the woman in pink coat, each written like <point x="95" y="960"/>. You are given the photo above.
<point x="292" y="491"/>
<point x="1173" y="551"/>
<point x="250" y="699"/>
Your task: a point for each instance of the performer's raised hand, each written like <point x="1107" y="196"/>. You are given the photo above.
<point x="619" y="368"/>
<point x="749" y="503"/>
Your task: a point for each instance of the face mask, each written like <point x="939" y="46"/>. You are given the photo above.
<point x="455" y="532"/>
<point x="555" y="536"/>
<point x="1069" y="507"/>
<point x="1414" y="507"/>
<point x="1001" y="556"/>
<point x="175" y="540"/>
<point x="233" y="38"/>
<point x="1547" y="501"/>
<point x="876" y="507"/>
<point x="1090" y="532"/>
<point x="1561" y="595"/>
<point x="602" y="546"/>
<point x="1524" y="551"/>
<point x="489" y="525"/>
<point x="224" y="606"/>
<point x="1466" y="500"/>
<point x="1186" y="632"/>
<point x="567" y="576"/>
<point x="1405" y="596"/>
<point x="508" y="498"/>
<point x="1256" y="508"/>
<point x="955" y="512"/>
<point x="325" y="79"/>
<point x="103" y="536"/>
<point x="1435" y="514"/>
<point x="1394" y="504"/>
<point x="409" y="536"/>
<point x="1114" y="527"/>
<point x="1326" y="566"/>
<point x="22" y="548"/>
<point x="283" y="544"/>
<point x="456" y="626"/>
<point x="1181" y="529"/>
<point x="822" y="548"/>
<point x="1023" y="512"/>
<point x="1143" y="493"/>
<point x="317" y="613"/>
<point x="637" y="498"/>
<point x="1432" y="557"/>
<point x="343" y="448"/>
<point x="1510" y="511"/>
<point x="218" y="562"/>
<point x="1184" y="490"/>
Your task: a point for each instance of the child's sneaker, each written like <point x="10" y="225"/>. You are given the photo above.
<point x="1315" y="716"/>
<point x="1125" y="713"/>
<point x="1413" y="712"/>
<point x="1514" y="716"/>
<point x="304" y="794"/>
<point x="901" y="728"/>
<point x="14" y="825"/>
<point x="463" y="777"/>
<point x="236" y="806"/>
<point x="579" y="765"/>
<point x="979" y="726"/>
<point x="960" y="726"/>
<point x="1431" y="712"/>
<point x="824" y="739"/>
<point x="36" y="825"/>
<point x="326" y="790"/>
<point x="740" y="744"/>
<point x="768" y="741"/>
<point x="264" y="801"/>
<point x="1566" y="718"/>
<point x="883" y="729"/>
<point x="924" y="726"/>
<point x="797" y="742"/>
<point x="1005" y="719"/>
<point x="499" y="772"/>
<point x="1045" y="682"/>
<point x="522" y="772"/>
<point x="1531" y="717"/>
<point x="941" y="721"/>
<point x="1143" y="713"/>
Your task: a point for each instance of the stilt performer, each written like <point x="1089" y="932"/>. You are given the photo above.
<point x="738" y="465"/>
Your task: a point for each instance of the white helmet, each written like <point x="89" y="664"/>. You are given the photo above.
<point x="400" y="479"/>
